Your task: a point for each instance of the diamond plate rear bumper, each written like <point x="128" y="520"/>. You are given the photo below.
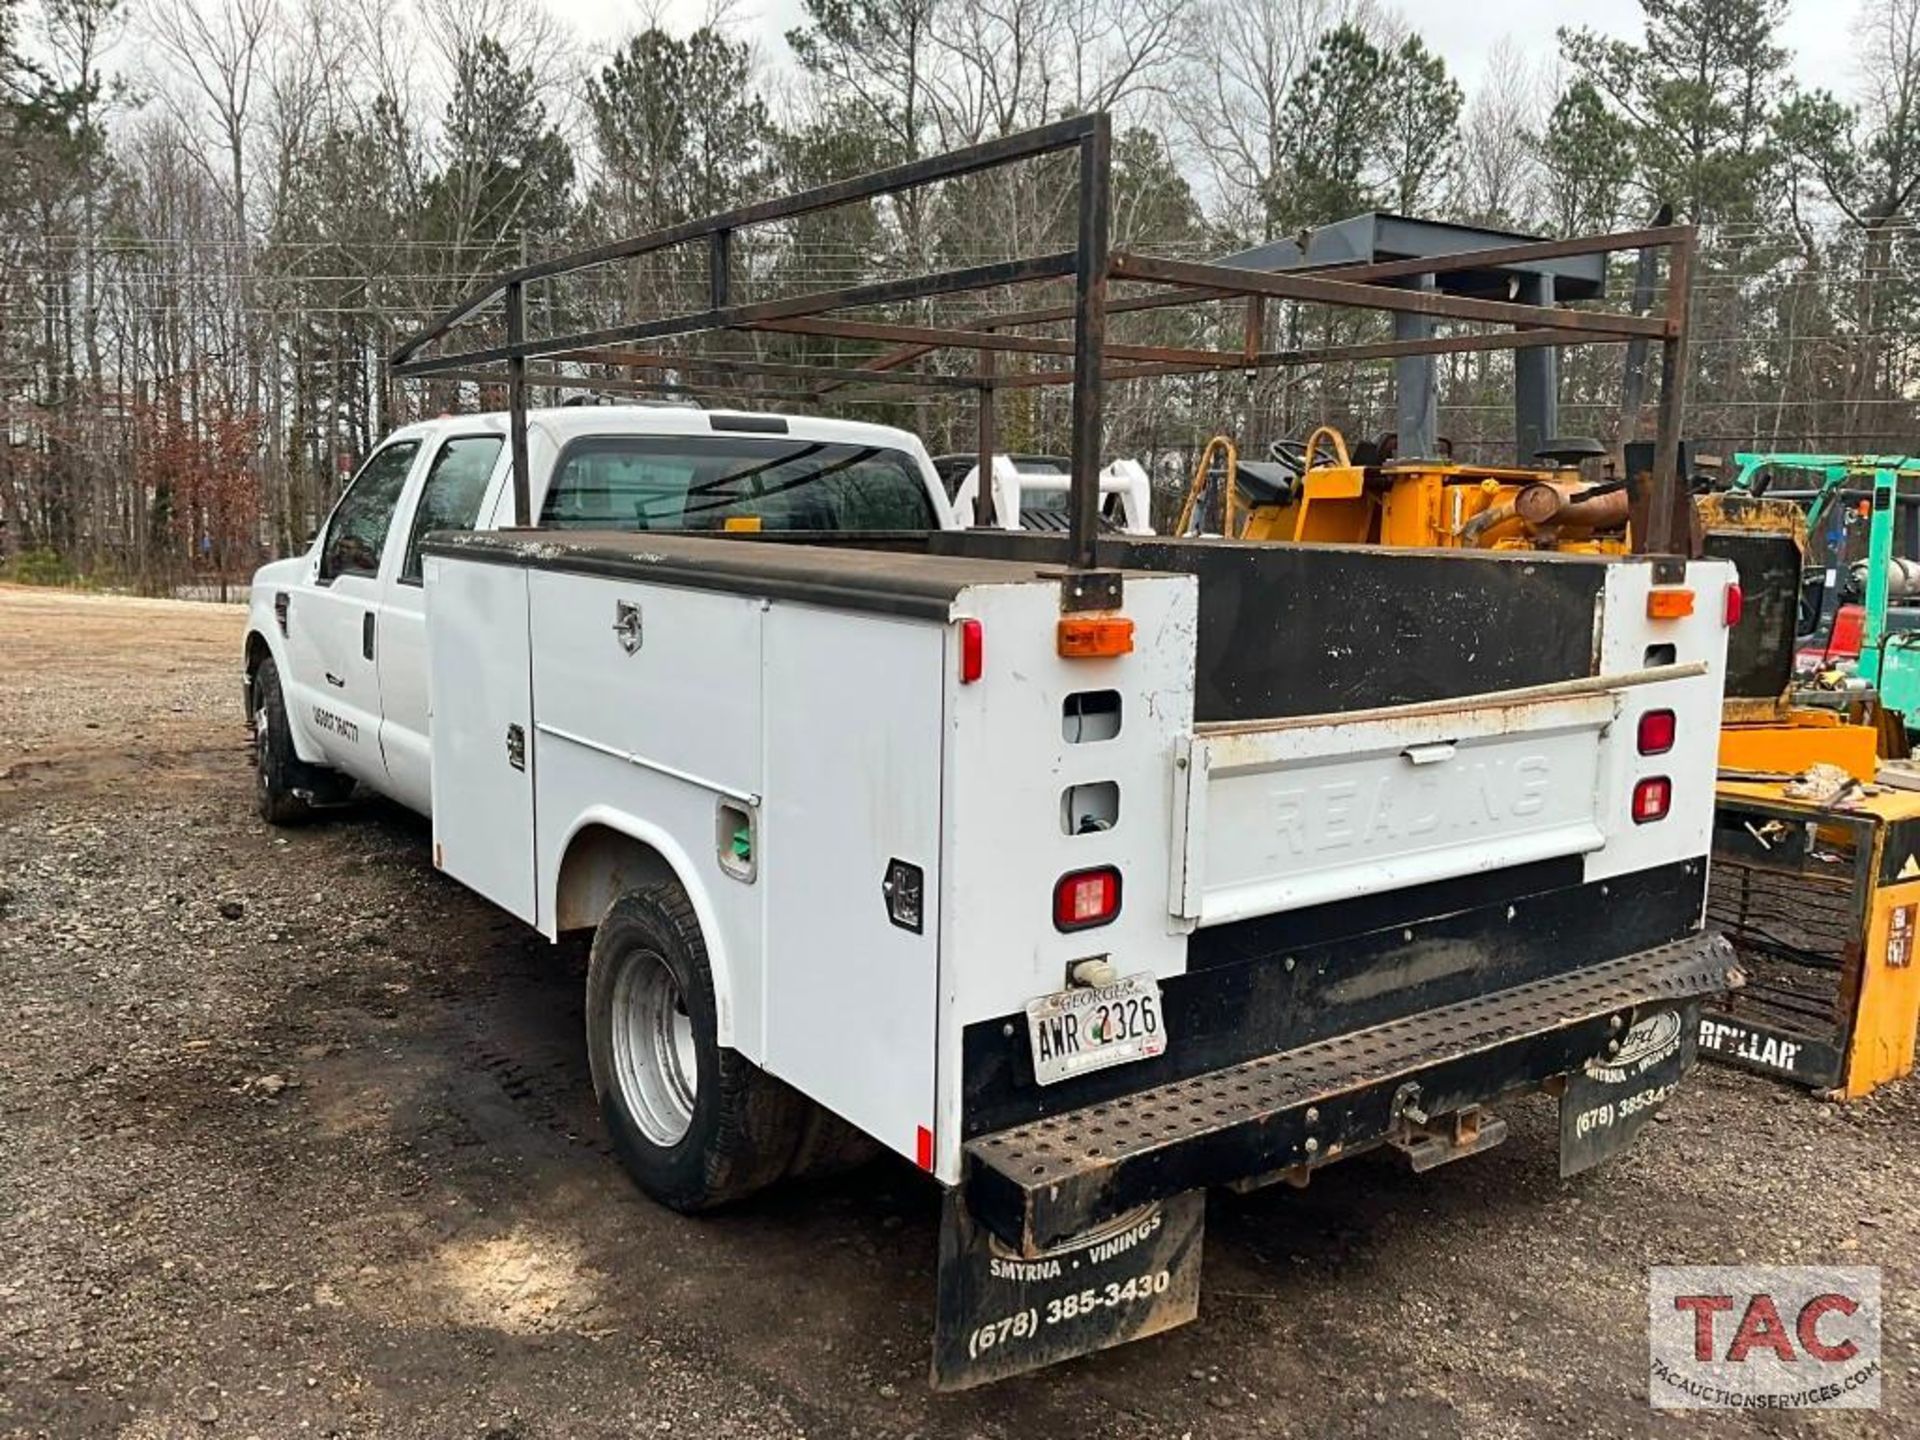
<point x="1036" y="1185"/>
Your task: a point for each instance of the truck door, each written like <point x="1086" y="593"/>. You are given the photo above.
<point x="332" y="625"/>
<point x="449" y="498"/>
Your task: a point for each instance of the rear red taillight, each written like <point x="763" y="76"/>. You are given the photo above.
<point x="1085" y="898"/>
<point x="1657" y="728"/>
<point x="973" y="651"/>
<point x="1652" y="798"/>
<point x="1736" y="604"/>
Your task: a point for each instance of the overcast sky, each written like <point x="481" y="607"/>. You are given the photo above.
<point x="1818" y="31"/>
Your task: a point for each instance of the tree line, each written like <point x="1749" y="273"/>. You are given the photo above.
<point x="218" y="216"/>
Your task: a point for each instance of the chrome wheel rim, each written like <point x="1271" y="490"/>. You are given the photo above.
<point x="655" y="1060"/>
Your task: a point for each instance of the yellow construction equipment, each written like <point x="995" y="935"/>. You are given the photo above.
<point x="1815" y="875"/>
<point x="1766" y="729"/>
<point x="1819" y="889"/>
<point x="1220" y="452"/>
<point x="1443" y="503"/>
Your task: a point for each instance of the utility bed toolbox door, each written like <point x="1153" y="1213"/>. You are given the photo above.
<point x="480" y="717"/>
<point x="853" y="746"/>
<point x="1277" y="816"/>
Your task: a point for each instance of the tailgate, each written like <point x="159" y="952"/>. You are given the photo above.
<point x="1295" y="812"/>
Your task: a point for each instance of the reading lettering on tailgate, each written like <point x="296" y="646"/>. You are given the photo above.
<point x="1408" y="803"/>
<point x="1299" y="817"/>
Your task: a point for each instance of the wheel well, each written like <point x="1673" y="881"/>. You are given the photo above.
<point x="601" y="864"/>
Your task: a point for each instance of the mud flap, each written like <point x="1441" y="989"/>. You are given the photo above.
<point x="1000" y="1314"/>
<point x="1609" y="1098"/>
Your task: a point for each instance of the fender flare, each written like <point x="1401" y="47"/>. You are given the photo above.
<point x="677" y="861"/>
<point x="303" y="743"/>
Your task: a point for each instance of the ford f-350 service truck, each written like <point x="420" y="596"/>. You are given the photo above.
<point x="1084" y="872"/>
<point x="1079" y="910"/>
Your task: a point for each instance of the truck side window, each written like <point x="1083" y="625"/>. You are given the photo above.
<point x="450" y="499"/>
<point x="357" y="533"/>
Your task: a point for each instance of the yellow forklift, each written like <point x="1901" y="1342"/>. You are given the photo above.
<point x="1816" y="874"/>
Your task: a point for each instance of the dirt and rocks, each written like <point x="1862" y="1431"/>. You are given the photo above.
<point x="296" y="1139"/>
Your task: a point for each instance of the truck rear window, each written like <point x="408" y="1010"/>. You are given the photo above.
<point x="700" y="482"/>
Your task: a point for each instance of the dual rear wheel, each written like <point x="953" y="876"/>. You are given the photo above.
<point x="696" y="1124"/>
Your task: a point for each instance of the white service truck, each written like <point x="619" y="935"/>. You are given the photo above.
<point x="1081" y="890"/>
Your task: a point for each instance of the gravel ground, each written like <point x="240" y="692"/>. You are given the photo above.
<point x="296" y="1139"/>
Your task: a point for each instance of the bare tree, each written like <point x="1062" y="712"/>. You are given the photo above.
<point x="1119" y="52"/>
<point x="1496" y="180"/>
<point x="532" y="33"/>
<point x="217" y="50"/>
<point x="1244" y="60"/>
<point x="1014" y="63"/>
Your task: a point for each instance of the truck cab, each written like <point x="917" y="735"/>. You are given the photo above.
<point x="345" y="623"/>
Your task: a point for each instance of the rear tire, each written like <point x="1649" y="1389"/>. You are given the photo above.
<point x="695" y="1125"/>
<point x="286" y="787"/>
<point x="829" y="1146"/>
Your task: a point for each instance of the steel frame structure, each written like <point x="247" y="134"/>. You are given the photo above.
<point x="1088" y="361"/>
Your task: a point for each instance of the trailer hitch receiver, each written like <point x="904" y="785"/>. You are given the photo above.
<point x="1428" y="1143"/>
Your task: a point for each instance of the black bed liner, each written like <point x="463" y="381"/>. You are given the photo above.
<point x="1324" y="629"/>
<point x="1760" y="649"/>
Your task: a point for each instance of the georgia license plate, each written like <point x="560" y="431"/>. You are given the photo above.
<point x="1090" y="1028"/>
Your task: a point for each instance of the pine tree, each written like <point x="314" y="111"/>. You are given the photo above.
<point x="1422" y="124"/>
<point x="1335" y="129"/>
<point x="1700" y="91"/>
<point x="1587" y="153"/>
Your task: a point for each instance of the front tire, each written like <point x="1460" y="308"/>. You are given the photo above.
<point x="695" y="1125"/>
<point x="286" y="787"/>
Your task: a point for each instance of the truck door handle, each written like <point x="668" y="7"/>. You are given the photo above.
<point x="335" y="681"/>
<point x="1431" y="754"/>
<point x="627" y="626"/>
<point x="366" y="634"/>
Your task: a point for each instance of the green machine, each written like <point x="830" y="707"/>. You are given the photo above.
<point x="1889" y="654"/>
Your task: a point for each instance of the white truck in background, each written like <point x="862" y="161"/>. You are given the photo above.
<point x="1081" y="891"/>
<point x="1030" y="492"/>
